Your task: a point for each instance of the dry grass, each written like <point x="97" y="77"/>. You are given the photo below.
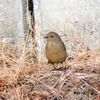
<point x="23" y="78"/>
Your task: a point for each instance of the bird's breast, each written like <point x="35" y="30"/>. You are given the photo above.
<point x="55" y="52"/>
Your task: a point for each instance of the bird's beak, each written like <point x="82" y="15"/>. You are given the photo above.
<point x="45" y="37"/>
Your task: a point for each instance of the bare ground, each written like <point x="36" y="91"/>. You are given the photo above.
<point x="23" y="78"/>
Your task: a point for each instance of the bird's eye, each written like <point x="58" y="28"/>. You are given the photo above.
<point x="52" y="36"/>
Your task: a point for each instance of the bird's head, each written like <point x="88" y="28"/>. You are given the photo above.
<point x="52" y="36"/>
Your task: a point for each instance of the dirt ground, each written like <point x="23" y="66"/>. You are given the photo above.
<point x="24" y="78"/>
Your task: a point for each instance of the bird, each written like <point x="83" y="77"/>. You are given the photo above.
<point x="55" y="48"/>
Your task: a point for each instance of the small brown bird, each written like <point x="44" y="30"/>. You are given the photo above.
<point x="55" y="48"/>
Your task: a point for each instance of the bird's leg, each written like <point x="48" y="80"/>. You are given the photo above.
<point x="61" y="68"/>
<point x="64" y="65"/>
<point x="54" y="66"/>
